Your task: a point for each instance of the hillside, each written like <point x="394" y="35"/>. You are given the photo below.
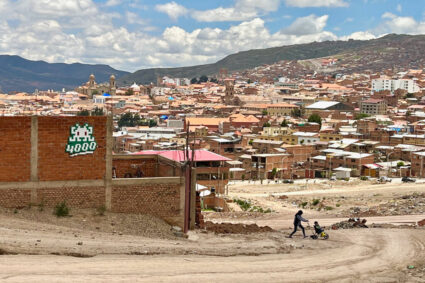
<point x="398" y="50"/>
<point x="19" y="74"/>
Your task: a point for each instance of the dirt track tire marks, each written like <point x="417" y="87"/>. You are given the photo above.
<point x="361" y="255"/>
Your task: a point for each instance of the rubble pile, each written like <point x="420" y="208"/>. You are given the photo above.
<point x="408" y="204"/>
<point x="351" y="223"/>
<point x="229" y="228"/>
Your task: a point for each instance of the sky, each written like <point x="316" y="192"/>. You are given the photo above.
<point x="137" y="34"/>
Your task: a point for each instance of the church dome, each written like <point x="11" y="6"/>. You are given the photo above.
<point x="135" y="87"/>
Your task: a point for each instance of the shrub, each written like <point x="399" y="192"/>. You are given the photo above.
<point x="41" y="206"/>
<point x="315" y="202"/>
<point x="328" y="208"/>
<point x="61" y="209"/>
<point x="338" y="205"/>
<point x="101" y="210"/>
<point x="364" y="178"/>
<point x="304" y="204"/>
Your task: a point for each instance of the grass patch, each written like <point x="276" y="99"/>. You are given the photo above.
<point x="61" y="210"/>
<point x="247" y="206"/>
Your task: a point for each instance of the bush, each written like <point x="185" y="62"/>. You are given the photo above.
<point x="101" y="210"/>
<point x="304" y="204"/>
<point x="315" y="202"/>
<point x="61" y="209"/>
<point x="328" y="208"/>
<point x="364" y="178"/>
<point x="338" y="205"/>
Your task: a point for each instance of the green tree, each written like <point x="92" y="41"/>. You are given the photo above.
<point x="266" y="124"/>
<point x="83" y="113"/>
<point x="274" y="172"/>
<point x="284" y="123"/>
<point x="213" y="80"/>
<point x="315" y="118"/>
<point x="400" y="163"/>
<point x="251" y="142"/>
<point x="296" y="112"/>
<point x="203" y="79"/>
<point x="129" y="92"/>
<point x="97" y="112"/>
<point x="152" y="123"/>
<point x="194" y="81"/>
<point x="129" y="120"/>
<point x="264" y="112"/>
<point x="360" y="116"/>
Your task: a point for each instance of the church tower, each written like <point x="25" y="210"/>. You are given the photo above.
<point x="91" y="81"/>
<point x="229" y="96"/>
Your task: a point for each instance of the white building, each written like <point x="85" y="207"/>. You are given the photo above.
<point x="387" y="84"/>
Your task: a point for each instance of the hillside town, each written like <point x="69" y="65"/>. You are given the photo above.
<point x="187" y="159"/>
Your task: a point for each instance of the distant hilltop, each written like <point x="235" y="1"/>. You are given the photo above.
<point x="390" y="51"/>
<point x="359" y="55"/>
<point x="19" y="74"/>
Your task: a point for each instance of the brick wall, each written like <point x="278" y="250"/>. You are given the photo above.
<point x="54" y="164"/>
<point x="161" y="200"/>
<point x="147" y="167"/>
<point x="81" y="197"/>
<point x="15" y="198"/>
<point x="15" y="149"/>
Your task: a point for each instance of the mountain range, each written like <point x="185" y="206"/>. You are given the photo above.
<point x="19" y="74"/>
<point x="390" y="51"/>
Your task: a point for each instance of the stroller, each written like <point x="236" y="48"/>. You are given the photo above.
<point x="319" y="232"/>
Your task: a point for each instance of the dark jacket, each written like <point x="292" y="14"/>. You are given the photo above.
<point x="298" y="219"/>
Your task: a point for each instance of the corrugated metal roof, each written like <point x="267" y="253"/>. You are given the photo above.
<point x="322" y="104"/>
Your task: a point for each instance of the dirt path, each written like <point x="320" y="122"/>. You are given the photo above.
<point x="362" y="255"/>
<point x="278" y="223"/>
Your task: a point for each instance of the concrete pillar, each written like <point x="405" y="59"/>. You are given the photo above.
<point x="193" y="200"/>
<point x="108" y="161"/>
<point x="34" y="156"/>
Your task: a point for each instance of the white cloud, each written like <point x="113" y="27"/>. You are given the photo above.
<point x="359" y="35"/>
<point x="242" y="11"/>
<point x="172" y="9"/>
<point x="316" y="3"/>
<point x="398" y="24"/>
<point x="81" y="31"/>
<point x="307" y="25"/>
<point x="399" y="8"/>
<point x="111" y="3"/>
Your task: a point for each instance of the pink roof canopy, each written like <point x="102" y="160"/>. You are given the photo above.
<point x="179" y="156"/>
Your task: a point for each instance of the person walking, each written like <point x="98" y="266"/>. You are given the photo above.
<point x="298" y="219"/>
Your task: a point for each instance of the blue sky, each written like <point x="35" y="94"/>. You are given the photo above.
<point x="135" y="34"/>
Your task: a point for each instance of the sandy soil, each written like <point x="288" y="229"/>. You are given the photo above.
<point x="361" y="255"/>
<point x="35" y="246"/>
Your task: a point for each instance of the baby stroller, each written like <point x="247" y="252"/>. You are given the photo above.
<point x="319" y="232"/>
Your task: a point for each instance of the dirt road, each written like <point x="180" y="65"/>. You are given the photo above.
<point x="369" y="255"/>
<point x="278" y="224"/>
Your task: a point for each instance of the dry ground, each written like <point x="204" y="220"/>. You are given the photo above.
<point x="38" y="247"/>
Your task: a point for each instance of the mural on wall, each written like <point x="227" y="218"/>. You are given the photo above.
<point x="81" y="140"/>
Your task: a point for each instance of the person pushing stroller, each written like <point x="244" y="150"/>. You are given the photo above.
<point x="298" y="219"/>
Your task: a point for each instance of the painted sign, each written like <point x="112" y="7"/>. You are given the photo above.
<point x="81" y="140"/>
